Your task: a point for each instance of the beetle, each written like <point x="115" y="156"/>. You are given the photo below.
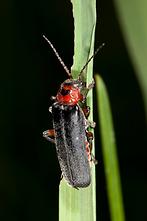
<point x="70" y="124"/>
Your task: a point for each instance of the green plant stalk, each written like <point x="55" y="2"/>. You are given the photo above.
<point x="78" y="205"/>
<point x="109" y="153"/>
<point x="133" y="16"/>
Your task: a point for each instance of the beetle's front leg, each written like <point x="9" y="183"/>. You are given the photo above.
<point x="49" y="135"/>
<point x="91" y="85"/>
<point x="85" y="90"/>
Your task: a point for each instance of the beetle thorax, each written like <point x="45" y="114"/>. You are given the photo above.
<point x="69" y="93"/>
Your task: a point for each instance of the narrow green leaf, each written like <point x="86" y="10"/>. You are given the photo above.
<point x="109" y="153"/>
<point x="80" y="205"/>
<point x="132" y="15"/>
<point x="84" y="13"/>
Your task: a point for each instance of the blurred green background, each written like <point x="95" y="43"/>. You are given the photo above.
<point x="29" y="75"/>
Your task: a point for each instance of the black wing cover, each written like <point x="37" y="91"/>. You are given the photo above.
<point x="70" y="136"/>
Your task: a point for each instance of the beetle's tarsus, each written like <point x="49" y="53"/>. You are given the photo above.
<point x="91" y="85"/>
<point x="93" y="159"/>
<point x="91" y="124"/>
<point x="87" y="89"/>
<point x="50" y="109"/>
<point x="53" y="98"/>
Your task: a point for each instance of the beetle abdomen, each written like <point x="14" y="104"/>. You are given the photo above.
<point x="70" y="137"/>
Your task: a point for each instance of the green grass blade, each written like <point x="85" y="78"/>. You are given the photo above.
<point x="109" y="153"/>
<point x="78" y="205"/>
<point x="132" y="15"/>
<point x="84" y="13"/>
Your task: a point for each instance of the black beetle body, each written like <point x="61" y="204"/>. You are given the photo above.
<point x="69" y="124"/>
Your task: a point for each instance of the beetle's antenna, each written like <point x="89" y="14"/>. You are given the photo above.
<point x="97" y="50"/>
<point x="58" y="56"/>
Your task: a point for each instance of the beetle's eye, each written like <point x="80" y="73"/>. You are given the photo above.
<point x="64" y="92"/>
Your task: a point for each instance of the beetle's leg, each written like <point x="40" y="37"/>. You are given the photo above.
<point x="61" y="177"/>
<point x="91" y="124"/>
<point x="49" y="139"/>
<point x="93" y="159"/>
<point x="50" y="109"/>
<point x="85" y="90"/>
<point x="88" y="151"/>
<point x="90" y="138"/>
<point x="86" y="111"/>
<point x="91" y="85"/>
<point x="53" y="98"/>
<point x="49" y="135"/>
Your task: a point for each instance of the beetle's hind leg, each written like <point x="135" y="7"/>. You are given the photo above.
<point x="49" y="135"/>
<point x="89" y="136"/>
